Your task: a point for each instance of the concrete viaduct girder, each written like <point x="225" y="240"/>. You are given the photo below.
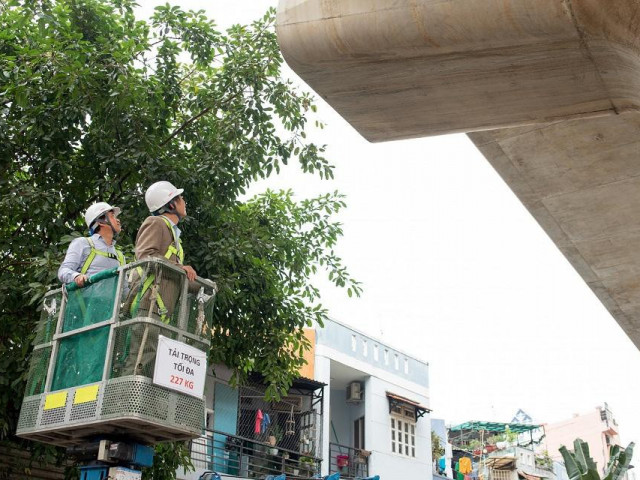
<point x="548" y="90"/>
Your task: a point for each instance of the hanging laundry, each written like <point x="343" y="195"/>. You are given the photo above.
<point x="465" y="465"/>
<point x="266" y="421"/>
<point x="258" y="425"/>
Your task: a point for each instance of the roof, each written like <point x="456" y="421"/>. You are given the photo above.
<point x="307" y="383"/>
<point x="494" y="427"/>
<point x="303" y="383"/>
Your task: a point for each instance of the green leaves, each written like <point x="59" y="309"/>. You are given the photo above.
<point x="97" y="105"/>
<point x="580" y="465"/>
<point x="619" y="462"/>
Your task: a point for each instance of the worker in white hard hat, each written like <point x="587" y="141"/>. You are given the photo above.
<point x="156" y="291"/>
<point x="159" y="235"/>
<point x="87" y="256"/>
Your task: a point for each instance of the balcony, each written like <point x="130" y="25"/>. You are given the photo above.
<point x="350" y="462"/>
<point x="246" y="458"/>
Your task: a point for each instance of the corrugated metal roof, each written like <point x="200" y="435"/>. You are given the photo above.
<point x="494" y="427"/>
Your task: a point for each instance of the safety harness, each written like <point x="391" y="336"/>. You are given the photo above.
<point x="119" y="256"/>
<point x="94" y="251"/>
<point x="175" y="248"/>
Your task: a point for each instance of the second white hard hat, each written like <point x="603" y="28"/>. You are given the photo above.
<point x="159" y="194"/>
<point x="98" y="209"/>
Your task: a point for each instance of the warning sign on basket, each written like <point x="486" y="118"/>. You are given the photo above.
<point x="180" y="367"/>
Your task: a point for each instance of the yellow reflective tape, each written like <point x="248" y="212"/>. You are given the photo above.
<point x="86" y="394"/>
<point x="55" y="400"/>
<point x="88" y="261"/>
<point x="177" y="246"/>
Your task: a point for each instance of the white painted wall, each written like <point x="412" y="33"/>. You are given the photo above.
<point x="378" y="435"/>
<point x="334" y="343"/>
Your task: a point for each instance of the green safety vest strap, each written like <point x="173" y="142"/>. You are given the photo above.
<point x="162" y="309"/>
<point x="172" y="250"/>
<point x="176" y="247"/>
<point x="94" y="251"/>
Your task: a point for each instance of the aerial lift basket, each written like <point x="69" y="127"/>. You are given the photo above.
<point x="92" y="368"/>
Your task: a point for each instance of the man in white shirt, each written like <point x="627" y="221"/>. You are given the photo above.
<point x="89" y="255"/>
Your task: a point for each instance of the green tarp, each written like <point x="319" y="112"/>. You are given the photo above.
<point x="80" y="358"/>
<point x="90" y="305"/>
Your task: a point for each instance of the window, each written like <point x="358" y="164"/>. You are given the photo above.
<point x="386" y="356"/>
<point x="354" y="343"/>
<point x="406" y="366"/>
<point x="358" y="433"/>
<point x="397" y="361"/>
<point x="403" y="431"/>
<point x="365" y="350"/>
<point x="375" y="353"/>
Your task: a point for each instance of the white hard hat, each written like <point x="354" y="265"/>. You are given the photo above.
<point x="98" y="209"/>
<point x="159" y="194"/>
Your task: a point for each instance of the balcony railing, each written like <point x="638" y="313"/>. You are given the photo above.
<point x="502" y="474"/>
<point x="350" y="462"/>
<point x="246" y="458"/>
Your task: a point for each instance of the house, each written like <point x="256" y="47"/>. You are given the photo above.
<point x="501" y="451"/>
<point x="247" y="437"/>
<point x="377" y="418"/>
<point x="359" y="407"/>
<point x="598" y="428"/>
<point x="438" y="427"/>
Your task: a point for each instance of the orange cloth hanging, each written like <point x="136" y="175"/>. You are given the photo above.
<point x="465" y="465"/>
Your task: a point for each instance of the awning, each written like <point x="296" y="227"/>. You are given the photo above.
<point x="397" y="400"/>
<point x="528" y="476"/>
<point x="501" y="463"/>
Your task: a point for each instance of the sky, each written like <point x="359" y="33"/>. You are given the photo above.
<point x="457" y="273"/>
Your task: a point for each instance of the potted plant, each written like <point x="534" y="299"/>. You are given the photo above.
<point x="307" y="466"/>
<point x="475" y="446"/>
<point x="361" y="456"/>
<point x="275" y="438"/>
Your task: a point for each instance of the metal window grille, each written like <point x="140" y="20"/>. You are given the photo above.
<point x="294" y="422"/>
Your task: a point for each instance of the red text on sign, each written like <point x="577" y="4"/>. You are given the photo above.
<point x="181" y="381"/>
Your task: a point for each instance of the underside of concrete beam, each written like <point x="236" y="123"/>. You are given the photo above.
<point x="410" y="68"/>
<point x="551" y="89"/>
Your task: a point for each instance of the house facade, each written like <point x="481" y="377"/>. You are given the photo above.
<point x="247" y="437"/>
<point x="598" y="428"/>
<point x="376" y="398"/>
<point x="502" y="451"/>
<point x="359" y="407"/>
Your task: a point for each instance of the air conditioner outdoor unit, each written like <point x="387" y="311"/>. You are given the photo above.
<point x="354" y="392"/>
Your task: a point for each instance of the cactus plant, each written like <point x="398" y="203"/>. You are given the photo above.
<point x="580" y="465"/>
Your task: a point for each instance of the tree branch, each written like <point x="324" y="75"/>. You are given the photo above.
<point x="192" y="120"/>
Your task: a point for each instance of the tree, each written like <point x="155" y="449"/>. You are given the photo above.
<point x="437" y="449"/>
<point x="96" y="105"/>
<point x="580" y="465"/>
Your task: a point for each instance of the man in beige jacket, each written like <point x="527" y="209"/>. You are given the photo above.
<point x="156" y="292"/>
<point x="159" y="235"/>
